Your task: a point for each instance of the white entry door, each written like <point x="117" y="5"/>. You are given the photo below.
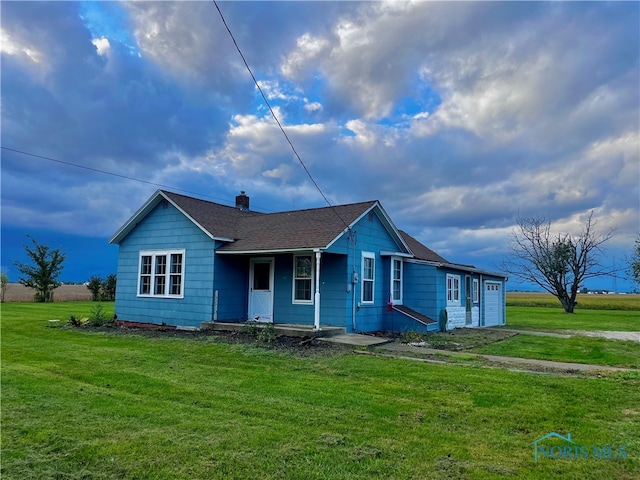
<point x="261" y="290"/>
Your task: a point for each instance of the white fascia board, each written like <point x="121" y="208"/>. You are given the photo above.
<point x="386" y="253"/>
<point x="462" y="268"/>
<point x="386" y="221"/>
<point x="391" y="226"/>
<point x="204" y="230"/>
<point x="142" y="212"/>
<point x="146" y="208"/>
<point x="265" y="252"/>
<point x="366" y="212"/>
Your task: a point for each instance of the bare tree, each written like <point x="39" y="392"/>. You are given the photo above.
<point x="634" y="263"/>
<point x="559" y="263"/>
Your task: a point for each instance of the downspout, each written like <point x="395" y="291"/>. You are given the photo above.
<point x="316" y="315"/>
<point x="354" y="282"/>
<point x="480" y="312"/>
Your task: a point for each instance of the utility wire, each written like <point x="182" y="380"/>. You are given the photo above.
<point x="264" y="97"/>
<point x="91" y="169"/>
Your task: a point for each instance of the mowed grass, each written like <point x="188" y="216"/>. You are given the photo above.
<point x="585" y="301"/>
<point x="555" y="320"/>
<point x="81" y="404"/>
<point x="595" y="351"/>
<point x="576" y="349"/>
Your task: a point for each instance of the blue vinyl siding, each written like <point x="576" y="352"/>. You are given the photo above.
<point x="231" y="281"/>
<point x="166" y="229"/>
<point x="370" y="236"/>
<point x="333" y="296"/>
<point x="424" y="289"/>
<point x="284" y="310"/>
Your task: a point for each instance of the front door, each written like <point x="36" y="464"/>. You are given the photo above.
<point x="261" y="290"/>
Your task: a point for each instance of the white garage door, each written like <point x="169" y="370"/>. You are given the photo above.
<point x="492" y="304"/>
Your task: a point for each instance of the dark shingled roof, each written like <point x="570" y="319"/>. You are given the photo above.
<point x="218" y="220"/>
<point x="252" y="231"/>
<point x="421" y="252"/>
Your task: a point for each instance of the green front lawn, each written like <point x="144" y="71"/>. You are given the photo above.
<point x="596" y="351"/>
<point x="82" y="404"/>
<point x="554" y="319"/>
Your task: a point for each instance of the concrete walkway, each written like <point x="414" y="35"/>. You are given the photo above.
<point x="398" y="349"/>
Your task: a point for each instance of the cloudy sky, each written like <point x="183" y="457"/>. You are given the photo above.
<point x="458" y="117"/>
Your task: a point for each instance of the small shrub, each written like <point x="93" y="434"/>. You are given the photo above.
<point x="98" y="316"/>
<point x="252" y="329"/>
<point x="411" y="337"/>
<point x="267" y="333"/>
<point x="76" y="321"/>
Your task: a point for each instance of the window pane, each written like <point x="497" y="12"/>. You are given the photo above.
<point x="396" y="290"/>
<point x="368" y="268"/>
<point x="161" y="264"/>
<point x="367" y="291"/>
<point x="303" y="290"/>
<point x="261" y="276"/>
<point x="160" y="284"/>
<point x="176" y="263"/>
<point x="397" y="269"/>
<point x="145" y="268"/>
<point x="303" y="267"/>
<point x="145" y="285"/>
<point x="175" y="284"/>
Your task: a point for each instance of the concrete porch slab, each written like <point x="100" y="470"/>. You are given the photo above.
<point x="355" y="339"/>
<point x="285" y="329"/>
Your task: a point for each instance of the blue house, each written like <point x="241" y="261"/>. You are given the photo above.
<point x="184" y="261"/>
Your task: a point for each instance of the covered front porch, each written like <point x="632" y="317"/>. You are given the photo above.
<point x="285" y="329"/>
<point x="306" y="289"/>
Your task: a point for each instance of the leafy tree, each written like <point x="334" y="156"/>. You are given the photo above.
<point x="95" y="286"/>
<point x="634" y="264"/>
<point x="4" y="280"/>
<point x="109" y="288"/>
<point x="559" y="263"/>
<point x="43" y="274"/>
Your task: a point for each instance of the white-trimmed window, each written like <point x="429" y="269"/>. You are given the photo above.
<point x="303" y="271"/>
<point x="368" y="276"/>
<point x="453" y="289"/>
<point x="161" y="274"/>
<point x="396" y="280"/>
<point x="476" y="290"/>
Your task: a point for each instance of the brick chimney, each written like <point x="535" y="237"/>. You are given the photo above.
<point x="242" y="202"/>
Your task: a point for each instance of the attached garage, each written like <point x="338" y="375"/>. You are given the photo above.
<point x="493" y="304"/>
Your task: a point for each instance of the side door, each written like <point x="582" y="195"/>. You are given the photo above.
<point x="261" y="290"/>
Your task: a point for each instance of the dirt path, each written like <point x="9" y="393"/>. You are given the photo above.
<point x="404" y="351"/>
<point x="611" y="335"/>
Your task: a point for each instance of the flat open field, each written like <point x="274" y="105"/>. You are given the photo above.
<point x="94" y="404"/>
<point x="585" y="301"/>
<point x="16" y="292"/>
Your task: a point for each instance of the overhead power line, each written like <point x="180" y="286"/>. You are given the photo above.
<point x="105" y="172"/>
<point x="264" y="97"/>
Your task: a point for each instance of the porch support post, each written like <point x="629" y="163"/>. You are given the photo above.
<point x="316" y="315"/>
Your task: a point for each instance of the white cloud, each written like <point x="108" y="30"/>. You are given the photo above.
<point x="102" y="45"/>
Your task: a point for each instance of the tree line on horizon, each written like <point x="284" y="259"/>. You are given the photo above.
<point x="558" y="263"/>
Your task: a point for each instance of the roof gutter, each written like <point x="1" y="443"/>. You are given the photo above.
<point x="464" y="268"/>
